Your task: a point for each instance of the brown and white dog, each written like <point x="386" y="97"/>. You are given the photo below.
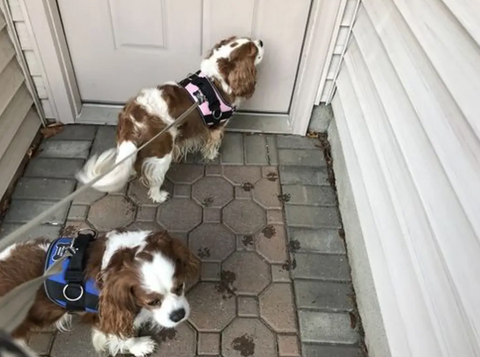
<point x="230" y="66"/>
<point x="141" y="277"/>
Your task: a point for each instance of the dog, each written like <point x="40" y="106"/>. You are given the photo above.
<point x="226" y="78"/>
<point x="140" y="277"/>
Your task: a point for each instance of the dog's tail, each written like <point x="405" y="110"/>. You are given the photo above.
<point x="98" y="165"/>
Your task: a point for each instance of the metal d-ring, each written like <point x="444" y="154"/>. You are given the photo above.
<point x="219" y="115"/>
<point x="70" y="299"/>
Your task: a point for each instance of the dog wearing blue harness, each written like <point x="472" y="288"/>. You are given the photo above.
<point x="119" y="283"/>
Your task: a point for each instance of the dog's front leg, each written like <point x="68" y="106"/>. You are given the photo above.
<point x="111" y="345"/>
<point x="211" y="149"/>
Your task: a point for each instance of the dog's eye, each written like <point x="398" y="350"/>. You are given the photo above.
<point x="154" y="302"/>
<point x="178" y="290"/>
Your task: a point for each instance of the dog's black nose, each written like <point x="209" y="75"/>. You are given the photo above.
<point x="177" y="315"/>
<point x="260" y="42"/>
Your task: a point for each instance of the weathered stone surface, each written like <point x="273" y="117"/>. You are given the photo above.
<point x="326" y="327"/>
<point x="111" y="212"/>
<point x="248" y="337"/>
<point x="212" y="192"/>
<point x="243" y="216"/>
<point x="251" y="274"/>
<point x="277" y="308"/>
<point x="212" y="242"/>
<point x="179" y="215"/>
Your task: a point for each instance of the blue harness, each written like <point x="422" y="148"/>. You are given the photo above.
<point x="69" y="289"/>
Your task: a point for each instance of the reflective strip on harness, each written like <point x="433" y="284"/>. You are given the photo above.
<point x="73" y="294"/>
<point x="212" y="107"/>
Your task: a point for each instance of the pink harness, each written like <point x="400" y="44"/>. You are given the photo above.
<point x="212" y="107"/>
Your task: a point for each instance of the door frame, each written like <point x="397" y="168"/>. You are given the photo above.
<point x="43" y="18"/>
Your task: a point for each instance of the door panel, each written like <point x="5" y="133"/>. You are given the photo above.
<point x="121" y="46"/>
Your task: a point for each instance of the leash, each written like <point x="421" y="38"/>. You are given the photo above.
<point x="8" y="240"/>
<point x="14" y="306"/>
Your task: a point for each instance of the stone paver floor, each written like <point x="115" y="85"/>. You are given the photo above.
<point x="263" y="220"/>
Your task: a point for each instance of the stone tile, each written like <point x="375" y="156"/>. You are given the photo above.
<point x="256" y="151"/>
<point x="22" y="211"/>
<point x="144" y="226"/>
<point x="275" y="217"/>
<point x="213" y="170"/>
<point x="288" y="346"/>
<point x="210" y="271"/>
<point x="270" y="173"/>
<point x="302" y="175"/>
<point x="75" y="343"/>
<point x="185" y="173"/>
<point x="104" y="139"/>
<point x="280" y="274"/>
<point x="311" y="350"/>
<point x="311" y="158"/>
<point x="212" y="242"/>
<point x="77" y="213"/>
<point x="53" y="168"/>
<point x="76" y="132"/>
<point x="182" y="191"/>
<point x="242" y="174"/>
<point x="243" y="217"/>
<point x="247" y="306"/>
<point x="326" y="327"/>
<point x="309" y="195"/>
<point x="315" y="240"/>
<point x="277" y="308"/>
<point x="231" y="151"/>
<point x="45" y="231"/>
<point x="271" y="243"/>
<point x="43" y="189"/>
<point x="321" y="266"/>
<point x="272" y="150"/>
<point x="246" y="242"/>
<point x="266" y="193"/>
<point x="178" y="342"/>
<point x="323" y="295"/>
<point x="312" y="217"/>
<point x="211" y="310"/>
<point x="194" y="158"/>
<point x="65" y="149"/>
<point x="72" y="227"/>
<point x="248" y="337"/>
<point x="146" y="214"/>
<point x="179" y="215"/>
<point x="212" y="215"/>
<point x="213" y="192"/>
<point x="243" y="192"/>
<point x="41" y="343"/>
<point x="208" y="344"/>
<point x="251" y="273"/>
<point x="88" y="196"/>
<point x="111" y="212"/>
<point x="139" y="193"/>
<point x="297" y="142"/>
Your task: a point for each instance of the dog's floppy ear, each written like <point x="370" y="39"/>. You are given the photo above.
<point x="239" y="70"/>
<point x="188" y="265"/>
<point x="117" y="303"/>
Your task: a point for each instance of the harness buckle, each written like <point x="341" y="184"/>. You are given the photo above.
<point x="217" y="116"/>
<point x="73" y="299"/>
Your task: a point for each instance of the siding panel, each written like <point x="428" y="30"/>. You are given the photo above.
<point x="415" y="157"/>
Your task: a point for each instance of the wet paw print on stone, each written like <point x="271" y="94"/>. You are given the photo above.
<point x="272" y="176"/>
<point x="207" y="202"/>
<point x="247" y="240"/>
<point x="166" y="334"/>
<point x="245" y="345"/>
<point x="269" y="232"/>
<point x="290" y="265"/>
<point x="247" y="186"/>
<point x="225" y="286"/>
<point x="284" y="198"/>
<point x="294" y="246"/>
<point x="204" y="253"/>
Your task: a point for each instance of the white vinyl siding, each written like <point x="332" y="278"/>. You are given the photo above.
<point x="19" y="121"/>
<point x="407" y="105"/>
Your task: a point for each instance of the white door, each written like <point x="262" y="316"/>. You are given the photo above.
<point x="121" y="46"/>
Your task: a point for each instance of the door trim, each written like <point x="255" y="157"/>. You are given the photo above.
<point x="49" y="38"/>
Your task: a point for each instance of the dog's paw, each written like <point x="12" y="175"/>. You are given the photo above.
<point x="210" y="155"/>
<point x="142" y="346"/>
<point x="157" y="195"/>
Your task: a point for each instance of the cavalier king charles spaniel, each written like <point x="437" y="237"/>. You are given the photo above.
<point x="140" y="277"/>
<point x="227" y="76"/>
